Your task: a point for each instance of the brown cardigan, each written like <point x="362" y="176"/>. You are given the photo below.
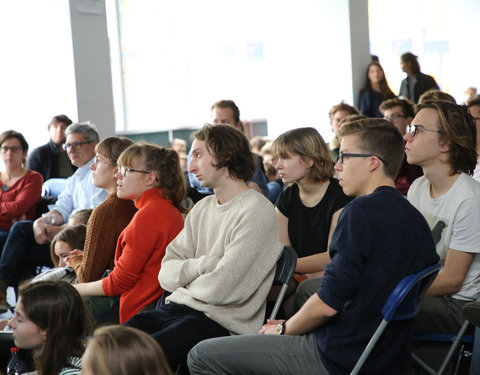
<point x="108" y="220"/>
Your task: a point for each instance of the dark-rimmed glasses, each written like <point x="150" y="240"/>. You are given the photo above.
<point x="123" y="171"/>
<point x="343" y="155"/>
<point x="413" y="130"/>
<point x="75" y="145"/>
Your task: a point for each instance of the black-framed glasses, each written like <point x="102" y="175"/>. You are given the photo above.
<point x="343" y="155"/>
<point x="98" y="160"/>
<point x="14" y="149"/>
<point x="75" y="145"/>
<point x="413" y="130"/>
<point x="394" y="117"/>
<point x="123" y="171"/>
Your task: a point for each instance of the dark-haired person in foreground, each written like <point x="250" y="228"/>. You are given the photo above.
<point x="371" y="251"/>
<point x="220" y="267"/>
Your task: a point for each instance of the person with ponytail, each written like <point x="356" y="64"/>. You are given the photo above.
<point x="151" y="177"/>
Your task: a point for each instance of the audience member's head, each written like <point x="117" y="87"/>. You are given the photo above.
<point x="228" y="147"/>
<point x="376" y="138"/>
<point x="14" y="142"/>
<point x="308" y="146"/>
<point x="257" y="143"/>
<point x="474" y="108"/>
<point x="270" y="171"/>
<point x="456" y="131"/>
<point x="434" y="95"/>
<point x="399" y="112"/>
<point x="80" y="216"/>
<point x="122" y="350"/>
<point x="80" y="143"/>
<point x="179" y="145"/>
<point x="338" y="112"/>
<point x="68" y="239"/>
<point x="57" y="127"/>
<point x="469" y="94"/>
<point x="158" y="164"/>
<point x="375" y="78"/>
<point x="409" y="63"/>
<point x="52" y="320"/>
<point x="226" y="112"/>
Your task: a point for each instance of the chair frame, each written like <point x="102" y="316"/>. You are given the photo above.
<point x="403" y="303"/>
<point x="283" y="273"/>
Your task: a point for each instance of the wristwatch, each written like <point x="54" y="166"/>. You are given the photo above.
<point x="281" y="328"/>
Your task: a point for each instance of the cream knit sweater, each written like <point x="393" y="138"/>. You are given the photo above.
<point x="223" y="262"/>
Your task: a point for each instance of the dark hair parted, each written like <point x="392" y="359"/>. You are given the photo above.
<point x="458" y="129"/>
<point x="112" y="147"/>
<point x="342" y="106"/>
<point x="379" y="137"/>
<point x="409" y="57"/>
<point x="308" y="144"/>
<point x="122" y="350"/>
<point x="384" y="87"/>
<point x="228" y="104"/>
<point x="73" y="235"/>
<point x="405" y="104"/>
<point x="57" y="308"/>
<point x="435" y="94"/>
<point x="165" y="163"/>
<point x="230" y="148"/>
<point x="63" y="119"/>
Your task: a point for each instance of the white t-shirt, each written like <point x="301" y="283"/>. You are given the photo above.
<point x="454" y="219"/>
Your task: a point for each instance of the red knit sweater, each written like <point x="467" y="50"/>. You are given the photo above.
<point x="140" y="250"/>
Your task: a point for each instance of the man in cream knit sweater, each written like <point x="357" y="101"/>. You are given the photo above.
<point x="220" y="267"/>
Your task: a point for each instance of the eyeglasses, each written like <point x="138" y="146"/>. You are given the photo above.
<point x="413" y="130"/>
<point x="12" y="148"/>
<point x="394" y="118"/>
<point x="98" y="160"/>
<point x="75" y="145"/>
<point x="344" y="155"/>
<point x="123" y="171"/>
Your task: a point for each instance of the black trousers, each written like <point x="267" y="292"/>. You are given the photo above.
<point x="177" y="328"/>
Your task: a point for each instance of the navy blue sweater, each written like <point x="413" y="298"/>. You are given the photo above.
<point x="379" y="239"/>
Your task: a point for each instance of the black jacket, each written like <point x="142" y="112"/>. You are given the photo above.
<point x="44" y="159"/>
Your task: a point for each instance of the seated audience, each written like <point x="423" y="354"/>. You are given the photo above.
<point x="151" y="177"/>
<point x="442" y="140"/>
<point x="434" y="95"/>
<point x="257" y="143"/>
<point x="416" y="82"/>
<point x="376" y="90"/>
<point x="220" y="268"/>
<point x="309" y="208"/>
<point x="371" y="251"/>
<point x="51" y="319"/>
<point x="20" y="188"/>
<point x="26" y="246"/>
<point x="103" y="232"/>
<point x="51" y="160"/>
<point x="400" y="113"/>
<point x="275" y="184"/>
<point x="120" y="350"/>
<point x="474" y="108"/>
<point x="337" y="114"/>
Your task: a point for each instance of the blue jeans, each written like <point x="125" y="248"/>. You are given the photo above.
<point x="21" y="254"/>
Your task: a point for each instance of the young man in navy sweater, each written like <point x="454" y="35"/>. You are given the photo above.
<point x="380" y="238"/>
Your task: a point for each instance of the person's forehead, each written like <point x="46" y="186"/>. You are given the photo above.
<point x="349" y="142"/>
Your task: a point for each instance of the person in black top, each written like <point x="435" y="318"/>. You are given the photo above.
<point x="416" y="82"/>
<point x="50" y="160"/>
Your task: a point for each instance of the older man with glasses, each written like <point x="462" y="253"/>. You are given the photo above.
<point x="27" y="245"/>
<point x="400" y="113"/>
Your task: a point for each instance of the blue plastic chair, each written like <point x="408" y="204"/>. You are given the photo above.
<point x="403" y="303"/>
<point x="283" y="273"/>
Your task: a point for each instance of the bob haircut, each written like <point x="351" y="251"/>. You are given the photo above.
<point x="57" y="308"/>
<point x="379" y="137"/>
<point x="164" y="163"/>
<point x="230" y="148"/>
<point x="457" y="128"/>
<point x="308" y="144"/>
<point x="112" y="147"/>
<point x="73" y="235"/>
<point x="122" y="350"/>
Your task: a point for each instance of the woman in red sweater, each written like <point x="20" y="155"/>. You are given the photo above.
<point x="150" y="176"/>
<point x="20" y="188"/>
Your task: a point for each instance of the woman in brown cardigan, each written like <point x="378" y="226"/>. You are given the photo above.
<point x="108" y="220"/>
